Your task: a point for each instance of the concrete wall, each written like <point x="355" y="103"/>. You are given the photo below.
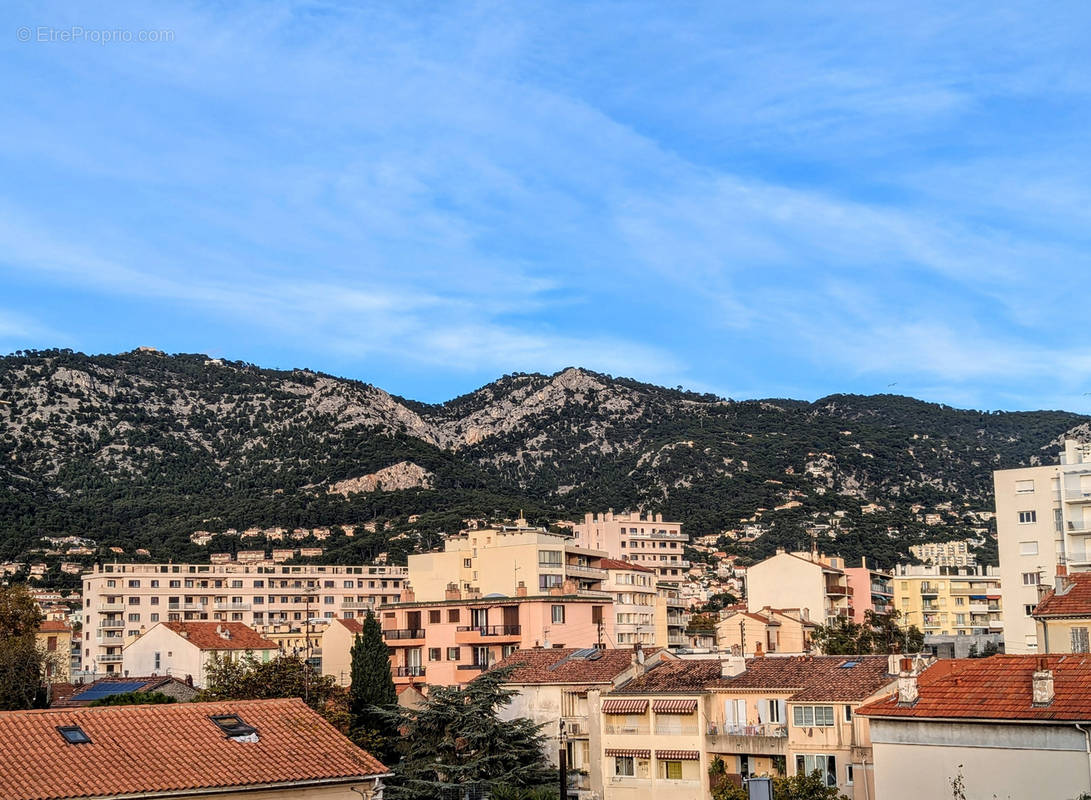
<point x="785" y="581"/>
<point x="915" y="760"/>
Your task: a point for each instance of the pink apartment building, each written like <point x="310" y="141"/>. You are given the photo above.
<point x="451" y="641"/>
<point x="871" y="590"/>
<point x="641" y="538"/>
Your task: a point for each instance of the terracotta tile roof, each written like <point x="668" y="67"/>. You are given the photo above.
<point x="149" y="683"/>
<point x="631" y="566"/>
<point x="207" y="635"/>
<point x="171" y="748"/>
<point x="54" y="626"/>
<point x="814" y="678"/>
<point x="752" y="615"/>
<point x="998" y="687"/>
<point x="354" y="625"/>
<point x="678" y="676"/>
<point x="1074" y="600"/>
<point x="558" y="666"/>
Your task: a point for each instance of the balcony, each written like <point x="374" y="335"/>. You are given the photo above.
<point x="593" y="593"/>
<point x="409" y="672"/>
<point x="231" y="606"/>
<point x="769" y="739"/>
<point x="404" y="633"/>
<point x="111" y="608"/>
<point x="585" y="572"/>
<point x="1080" y="526"/>
<point x="361" y="605"/>
<point x="110" y="658"/>
<point x="468" y="634"/>
<point x="1077" y="496"/>
<point x="677" y="640"/>
<point x="111" y="625"/>
<point x="187" y="607"/>
<point x="475" y="667"/>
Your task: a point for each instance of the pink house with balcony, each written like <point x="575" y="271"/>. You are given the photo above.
<point x="871" y="590"/>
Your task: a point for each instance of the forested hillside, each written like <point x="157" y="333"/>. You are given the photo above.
<point x="140" y="449"/>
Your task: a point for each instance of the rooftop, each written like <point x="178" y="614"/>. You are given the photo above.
<point x="1073" y="600"/>
<point x="83" y="694"/>
<point x="996" y="688"/>
<point x="172" y="748"/>
<point x="221" y="635"/>
<point x="631" y="566"/>
<point x="586" y="666"/>
<point x="354" y="625"/>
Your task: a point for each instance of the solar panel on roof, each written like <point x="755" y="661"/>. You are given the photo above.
<point x="101" y="690"/>
<point x="584" y="653"/>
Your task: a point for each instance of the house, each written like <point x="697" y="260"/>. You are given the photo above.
<point x="228" y="750"/>
<point x="767" y="630"/>
<point x="184" y="649"/>
<point x="337" y="641"/>
<point x="1006" y="726"/>
<point x="85" y="694"/>
<point x="54" y="638"/>
<point x="871" y="590"/>
<point x="664" y="730"/>
<point x="1063" y="616"/>
<point x="552" y="687"/>
<point x="813" y="583"/>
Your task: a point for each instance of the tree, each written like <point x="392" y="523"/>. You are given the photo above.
<point x="285" y="676"/>
<point x="802" y="786"/>
<point x="22" y="663"/>
<point x="840" y="637"/>
<point x="371" y="692"/>
<point x="879" y="634"/>
<point x="457" y="741"/>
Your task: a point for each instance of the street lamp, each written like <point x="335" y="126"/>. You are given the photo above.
<point x="562" y="758"/>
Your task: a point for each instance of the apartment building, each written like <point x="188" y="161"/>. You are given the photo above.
<point x="950" y="601"/>
<point x="122" y="601"/>
<point x="1063" y="616"/>
<point x="642" y="538"/>
<point x="766" y="631"/>
<point x="451" y="641"/>
<point x="813" y="583"/>
<point x="496" y="560"/>
<point x="1005" y="726"/>
<point x="870" y="589"/>
<point x="945" y="554"/>
<point x="54" y="638"/>
<point x="662" y="731"/>
<point x="336" y="645"/>
<point x="671" y="616"/>
<point x="184" y="650"/>
<point x="1043" y="519"/>
<point x="634" y="589"/>
<point x="552" y="690"/>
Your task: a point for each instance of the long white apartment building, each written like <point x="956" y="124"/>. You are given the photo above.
<point x="1043" y="522"/>
<point x="122" y="601"/>
<point x="644" y="539"/>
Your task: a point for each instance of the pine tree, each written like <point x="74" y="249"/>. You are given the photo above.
<point x="371" y="692"/>
<point x="459" y="742"/>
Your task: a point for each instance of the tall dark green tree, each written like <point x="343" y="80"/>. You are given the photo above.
<point x="372" y="693"/>
<point x="456" y="740"/>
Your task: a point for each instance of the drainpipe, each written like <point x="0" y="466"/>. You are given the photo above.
<point x="867" y="792"/>
<point x="1087" y="739"/>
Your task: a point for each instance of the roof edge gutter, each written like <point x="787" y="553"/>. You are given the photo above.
<point x="257" y="787"/>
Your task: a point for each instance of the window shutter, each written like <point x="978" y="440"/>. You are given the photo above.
<point x="782" y="711"/>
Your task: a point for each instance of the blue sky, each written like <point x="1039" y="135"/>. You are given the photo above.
<point x="771" y="199"/>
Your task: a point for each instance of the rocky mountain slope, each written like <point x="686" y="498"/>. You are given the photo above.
<point x="144" y="448"/>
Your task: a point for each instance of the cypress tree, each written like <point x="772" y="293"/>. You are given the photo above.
<point x="372" y="691"/>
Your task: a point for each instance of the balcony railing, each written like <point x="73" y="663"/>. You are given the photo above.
<point x="773" y="729"/>
<point x="477" y="667"/>
<point x="358" y="604"/>
<point x="491" y="630"/>
<point x="404" y="633"/>
<point x="231" y="606"/>
<point x="110" y="658"/>
<point x="409" y="672"/>
<point x="1077" y="496"/>
<point x="187" y="607"/>
<point x="581" y="569"/>
<point x="111" y="625"/>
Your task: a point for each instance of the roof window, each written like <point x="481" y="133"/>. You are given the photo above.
<point x="73" y="734"/>
<point x="233" y="726"/>
<point x="848" y="664"/>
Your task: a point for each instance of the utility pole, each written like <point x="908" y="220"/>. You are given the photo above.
<point x="562" y="759"/>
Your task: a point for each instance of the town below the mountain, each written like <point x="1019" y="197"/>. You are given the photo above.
<point x="221" y="581"/>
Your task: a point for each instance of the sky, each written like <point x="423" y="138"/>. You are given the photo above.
<point x="776" y="199"/>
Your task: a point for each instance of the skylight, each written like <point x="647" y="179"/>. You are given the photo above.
<point x="73" y="734"/>
<point x="232" y="725"/>
<point x="848" y="664"/>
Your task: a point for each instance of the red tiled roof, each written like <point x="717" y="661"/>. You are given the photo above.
<point x="558" y="666"/>
<point x="632" y="566"/>
<point x="677" y="676"/>
<point x="814" y="678"/>
<point x="171" y="748"/>
<point x="207" y="635"/>
<point x="54" y="626"/>
<point x="354" y="625"/>
<point x="1074" y="600"/>
<point x="998" y="687"/>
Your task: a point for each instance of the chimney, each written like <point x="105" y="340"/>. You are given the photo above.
<point x="638" y="658"/>
<point x="556" y="591"/>
<point x="907" y="683"/>
<point x="521" y="589"/>
<point x="1061" y="582"/>
<point x="223" y="632"/>
<point x="569" y="586"/>
<point x="408" y="595"/>
<point x="732" y="666"/>
<point x="452" y="592"/>
<point x="1042" y="683"/>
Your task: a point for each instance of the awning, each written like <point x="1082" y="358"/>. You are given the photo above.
<point x="674" y="706"/>
<point x="630" y="753"/>
<point x="678" y="755"/>
<point x="624" y="706"/>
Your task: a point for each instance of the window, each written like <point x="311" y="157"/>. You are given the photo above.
<point x="1024" y="487"/>
<point x="155" y="618"/>
<point x="848" y="774"/>
<point x="558" y="614"/>
<point x="1079" y="640"/>
<point x="774" y="709"/>
<point x="434" y="654"/>
<point x="624" y="767"/>
<point x="434" y="617"/>
<point x="1028" y="609"/>
<point x="1028" y="548"/>
<point x="812" y="716"/>
<point x="453" y="653"/>
<point x="548" y="581"/>
<point x="549" y="558"/>
<point x="467" y="563"/>
<point x="232" y="725"/>
<point x="1026" y="517"/>
<point x="158" y="661"/>
<point x="672" y="770"/>
<point x="1058" y="519"/>
<point x="826" y="766"/>
<point x="134" y="584"/>
<point x="452" y="615"/>
<point x="73" y="734"/>
<point x="1031" y="579"/>
<point x="848" y="717"/>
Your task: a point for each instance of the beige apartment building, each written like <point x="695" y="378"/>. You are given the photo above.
<point x="642" y="538"/>
<point x="122" y="601"/>
<point x="949" y="601"/>
<point x="815" y="584"/>
<point x="634" y="590"/>
<point x="1043" y="520"/>
<point x="945" y="554"/>
<point x="766" y="631"/>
